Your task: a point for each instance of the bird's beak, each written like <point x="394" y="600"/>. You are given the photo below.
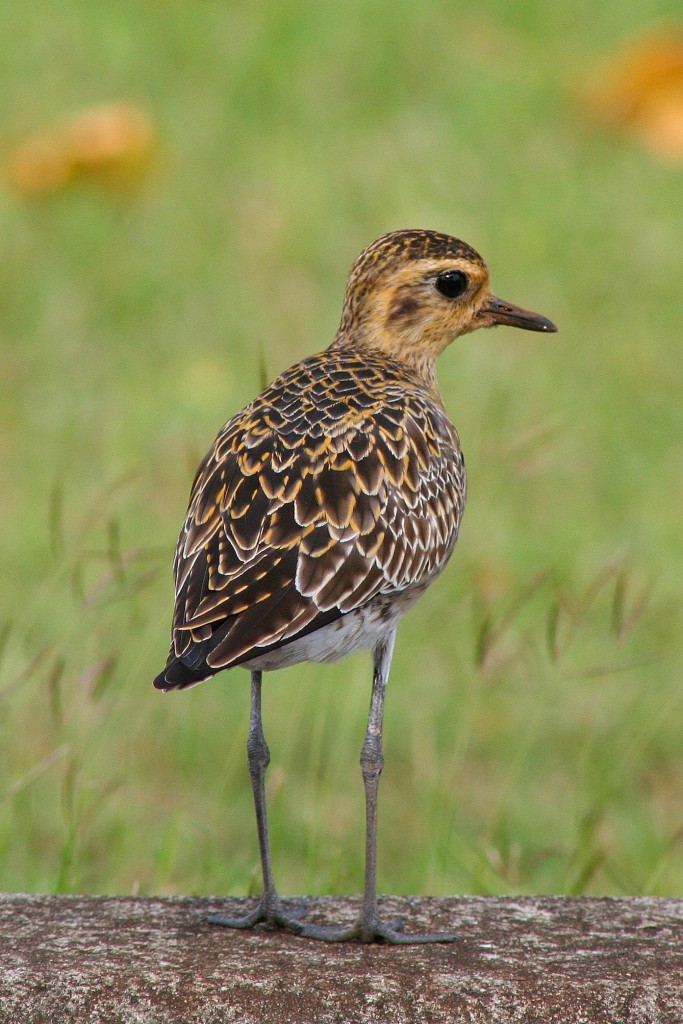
<point x="495" y="311"/>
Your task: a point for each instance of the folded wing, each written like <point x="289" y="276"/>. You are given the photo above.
<point x="320" y="495"/>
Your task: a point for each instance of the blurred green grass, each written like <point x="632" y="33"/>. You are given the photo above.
<point x="533" y="723"/>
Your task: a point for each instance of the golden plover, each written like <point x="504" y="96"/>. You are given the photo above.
<point x="327" y="507"/>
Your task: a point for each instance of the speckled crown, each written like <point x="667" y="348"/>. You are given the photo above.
<point x="414" y="244"/>
<point x="394" y="249"/>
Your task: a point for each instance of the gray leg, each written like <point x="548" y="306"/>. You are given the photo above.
<point x="371" y="763"/>
<point x="270" y="907"/>
<point x="258" y="756"/>
<point x="368" y="927"/>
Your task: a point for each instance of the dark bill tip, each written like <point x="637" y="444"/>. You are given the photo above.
<point x="498" y="312"/>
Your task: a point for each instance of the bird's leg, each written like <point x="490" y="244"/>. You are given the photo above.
<point x="371" y="763"/>
<point x="270" y="907"/>
<point x="369" y="927"/>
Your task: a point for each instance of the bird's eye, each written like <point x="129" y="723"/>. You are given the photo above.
<point x="452" y="283"/>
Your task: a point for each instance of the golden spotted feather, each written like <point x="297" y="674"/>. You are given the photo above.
<point x="341" y="484"/>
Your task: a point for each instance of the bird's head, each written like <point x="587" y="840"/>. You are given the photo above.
<point x="411" y="293"/>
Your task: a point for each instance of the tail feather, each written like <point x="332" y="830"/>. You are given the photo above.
<point x="178" y="676"/>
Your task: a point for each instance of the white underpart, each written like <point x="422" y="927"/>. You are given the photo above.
<point x="361" y="629"/>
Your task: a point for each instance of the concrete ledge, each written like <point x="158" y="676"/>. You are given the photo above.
<point x="544" y="960"/>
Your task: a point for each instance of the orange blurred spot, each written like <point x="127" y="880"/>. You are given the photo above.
<point x="39" y="166"/>
<point x="115" y="139"/>
<point x="642" y="90"/>
<point x="112" y="143"/>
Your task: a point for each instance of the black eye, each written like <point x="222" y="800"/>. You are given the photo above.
<point x="452" y="283"/>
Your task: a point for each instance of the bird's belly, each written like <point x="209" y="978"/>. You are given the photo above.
<point x="361" y="629"/>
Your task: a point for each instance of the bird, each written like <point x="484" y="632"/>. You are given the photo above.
<point x="326" y="508"/>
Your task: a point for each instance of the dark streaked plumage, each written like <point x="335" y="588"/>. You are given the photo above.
<point x="341" y="483"/>
<point x="328" y="505"/>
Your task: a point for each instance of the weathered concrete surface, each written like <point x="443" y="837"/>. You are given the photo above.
<point x="527" y="961"/>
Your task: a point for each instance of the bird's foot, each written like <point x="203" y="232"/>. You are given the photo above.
<point x="368" y="928"/>
<point x="269" y="911"/>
